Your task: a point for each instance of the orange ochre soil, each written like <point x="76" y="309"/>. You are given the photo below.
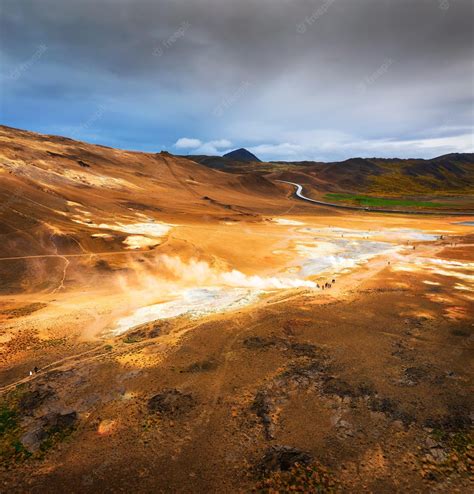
<point x="165" y="327"/>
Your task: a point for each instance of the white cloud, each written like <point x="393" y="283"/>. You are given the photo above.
<point x="220" y="143"/>
<point x="199" y="147"/>
<point x="329" y="146"/>
<point x="333" y="145"/>
<point x="207" y="148"/>
<point x="187" y="143"/>
<point x="281" y="151"/>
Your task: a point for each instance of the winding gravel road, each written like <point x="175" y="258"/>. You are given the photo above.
<point x="300" y="195"/>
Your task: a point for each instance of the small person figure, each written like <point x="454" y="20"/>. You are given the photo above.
<point x="31" y="373"/>
<point x="334" y="281"/>
<point x="36" y="370"/>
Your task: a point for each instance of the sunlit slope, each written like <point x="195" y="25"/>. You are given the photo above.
<point x="64" y="186"/>
<point x="60" y="197"/>
<point x="59" y="166"/>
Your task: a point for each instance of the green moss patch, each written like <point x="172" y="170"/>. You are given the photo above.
<point x="368" y="201"/>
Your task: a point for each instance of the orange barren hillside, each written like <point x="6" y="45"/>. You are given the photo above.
<point x="167" y="327"/>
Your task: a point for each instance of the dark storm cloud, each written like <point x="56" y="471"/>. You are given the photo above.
<point x="321" y="79"/>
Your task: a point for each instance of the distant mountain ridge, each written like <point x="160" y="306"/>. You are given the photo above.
<point x="450" y="173"/>
<point x="447" y="174"/>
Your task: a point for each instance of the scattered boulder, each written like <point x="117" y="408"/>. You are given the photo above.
<point x="436" y="453"/>
<point x="283" y="458"/>
<point x="255" y="342"/>
<point x="32" y="439"/>
<point x="338" y="387"/>
<point x="135" y="336"/>
<point x="143" y="332"/>
<point x="303" y="349"/>
<point x="31" y="400"/>
<point x="203" y="366"/>
<point x="155" y="330"/>
<point x="403" y="352"/>
<point x="303" y="374"/>
<point x="390" y="408"/>
<point x="262" y="406"/>
<point x="172" y="403"/>
<point x="413" y="376"/>
<point x="332" y="385"/>
<point x="344" y="428"/>
<point x="59" y="422"/>
<point x="450" y="423"/>
<point x="48" y="426"/>
<point x="432" y="443"/>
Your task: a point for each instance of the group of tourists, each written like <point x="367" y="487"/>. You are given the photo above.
<point x="326" y="285"/>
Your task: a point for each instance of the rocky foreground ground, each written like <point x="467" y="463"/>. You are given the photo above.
<point x="342" y="394"/>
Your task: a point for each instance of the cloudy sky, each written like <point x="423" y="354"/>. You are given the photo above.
<point x="288" y="79"/>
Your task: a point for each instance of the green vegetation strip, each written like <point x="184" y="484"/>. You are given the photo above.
<point x="379" y="201"/>
<point x="12" y="451"/>
<point x="11" y="448"/>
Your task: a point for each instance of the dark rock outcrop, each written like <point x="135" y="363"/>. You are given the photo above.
<point x="172" y="403"/>
<point x="283" y="458"/>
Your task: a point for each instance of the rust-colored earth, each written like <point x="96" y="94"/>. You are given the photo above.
<point x="166" y="327"/>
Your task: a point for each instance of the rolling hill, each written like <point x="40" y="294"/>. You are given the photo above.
<point x="58" y="195"/>
<point x="449" y="177"/>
